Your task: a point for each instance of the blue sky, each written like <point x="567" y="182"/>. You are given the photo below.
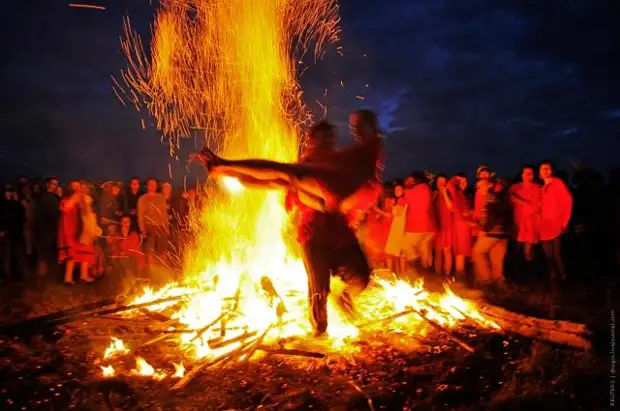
<point x="457" y="83"/>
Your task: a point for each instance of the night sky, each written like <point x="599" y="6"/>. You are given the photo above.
<point x="457" y="83"/>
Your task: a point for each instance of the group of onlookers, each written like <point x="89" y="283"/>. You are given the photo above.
<point x="437" y="222"/>
<point x="93" y="227"/>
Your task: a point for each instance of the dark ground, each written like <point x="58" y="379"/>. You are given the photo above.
<point x="57" y="370"/>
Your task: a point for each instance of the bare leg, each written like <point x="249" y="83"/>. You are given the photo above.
<point x="84" y="275"/>
<point x="528" y="251"/>
<point x="390" y="263"/>
<point x="447" y="261"/>
<point x="265" y="173"/>
<point x="70" y="265"/>
<point x="402" y="264"/>
<point x="438" y="262"/>
<point x="460" y="264"/>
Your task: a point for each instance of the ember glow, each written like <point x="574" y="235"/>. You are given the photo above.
<point x="230" y="71"/>
<point x="117" y="346"/>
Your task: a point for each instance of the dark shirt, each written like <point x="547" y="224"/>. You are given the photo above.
<point x="130" y="202"/>
<point x="110" y="210"/>
<point x="47" y="212"/>
<point x="497" y="216"/>
<point x="12" y="218"/>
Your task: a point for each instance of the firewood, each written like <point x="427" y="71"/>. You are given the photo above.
<point x="122" y="308"/>
<point x="34" y="323"/>
<point x="182" y="383"/>
<point x="546" y="335"/>
<point x="290" y="352"/>
<point x="447" y="331"/>
<point x="557" y="325"/>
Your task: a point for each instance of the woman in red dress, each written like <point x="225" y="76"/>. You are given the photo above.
<point x="526" y="199"/>
<point x="376" y="232"/>
<point x="70" y="250"/>
<point x="462" y="221"/>
<point x="442" y="202"/>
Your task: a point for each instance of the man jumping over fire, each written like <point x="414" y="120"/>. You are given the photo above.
<point x="325" y="187"/>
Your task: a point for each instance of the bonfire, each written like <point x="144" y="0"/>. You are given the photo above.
<point x="229" y="73"/>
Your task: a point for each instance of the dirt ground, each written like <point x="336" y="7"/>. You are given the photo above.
<point x="55" y="369"/>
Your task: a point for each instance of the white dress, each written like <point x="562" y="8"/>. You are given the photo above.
<point x="394" y="244"/>
<point x="90" y="229"/>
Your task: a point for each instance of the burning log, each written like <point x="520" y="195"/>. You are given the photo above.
<point x="201" y="331"/>
<point x="563" y="333"/>
<point x="122" y="308"/>
<point x="388" y="319"/>
<point x="448" y="332"/>
<point x="556" y="325"/>
<point x="290" y="352"/>
<point x="34" y="323"/>
<point x="219" y="342"/>
<point x="182" y="383"/>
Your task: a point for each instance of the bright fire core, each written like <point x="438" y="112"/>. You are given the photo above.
<point x="232" y="69"/>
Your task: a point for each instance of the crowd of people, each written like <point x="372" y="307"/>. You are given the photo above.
<point x="440" y="223"/>
<point x="91" y="227"/>
<point x="436" y="222"/>
<point x="348" y="221"/>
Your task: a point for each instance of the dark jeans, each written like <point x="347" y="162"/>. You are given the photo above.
<point x="323" y="258"/>
<point x="553" y="254"/>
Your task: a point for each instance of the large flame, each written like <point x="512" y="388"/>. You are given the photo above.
<point x="230" y="69"/>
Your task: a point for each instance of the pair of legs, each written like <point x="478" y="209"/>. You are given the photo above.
<point x="396" y="264"/>
<point x="324" y="256"/>
<point x="553" y="255"/>
<point x="443" y="261"/>
<point x="459" y="265"/>
<point x="528" y="251"/>
<point x="84" y="274"/>
<point x="488" y="256"/>
<point x="419" y="245"/>
<point x="154" y="245"/>
<point x="46" y="249"/>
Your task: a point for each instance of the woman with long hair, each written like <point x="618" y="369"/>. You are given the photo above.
<point x="394" y="244"/>
<point x="462" y="222"/>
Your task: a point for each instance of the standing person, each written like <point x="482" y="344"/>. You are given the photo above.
<point x="526" y="198"/>
<point x="87" y="251"/>
<point x="166" y="190"/>
<point x="12" y="218"/>
<point x="444" y="211"/>
<point x="420" y="225"/>
<point x="556" y="209"/>
<point x="110" y="207"/>
<point x="46" y="225"/>
<point x="495" y="228"/>
<point x="68" y="230"/>
<point x="130" y="201"/>
<point x="29" y="209"/>
<point x="377" y="229"/>
<point x="483" y="173"/>
<point x="394" y="251"/>
<point x="153" y="222"/>
<point x="462" y="242"/>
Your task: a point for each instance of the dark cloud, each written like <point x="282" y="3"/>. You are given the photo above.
<point x="456" y="83"/>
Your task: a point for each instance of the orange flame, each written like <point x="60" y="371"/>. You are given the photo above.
<point x="229" y="69"/>
<point x="117" y="346"/>
<point x="108" y="371"/>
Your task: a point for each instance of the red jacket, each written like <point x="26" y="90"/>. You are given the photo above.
<point x="556" y="208"/>
<point x="420" y="216"/>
